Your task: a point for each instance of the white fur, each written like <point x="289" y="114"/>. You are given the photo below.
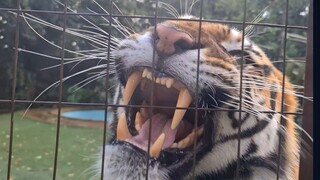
<point x="139" y="52"/>
<point x="116" y="166"/>
<point x="233" y="44"/>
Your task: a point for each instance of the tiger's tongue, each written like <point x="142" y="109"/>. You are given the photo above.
<point x="160" y="124"/>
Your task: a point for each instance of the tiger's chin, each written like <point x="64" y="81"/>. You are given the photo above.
<point x="129" y="162"/>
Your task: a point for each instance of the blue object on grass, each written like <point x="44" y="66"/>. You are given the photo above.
<point x="88" y="115"/>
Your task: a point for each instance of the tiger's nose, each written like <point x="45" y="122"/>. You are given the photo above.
<point x="170" y="40"/>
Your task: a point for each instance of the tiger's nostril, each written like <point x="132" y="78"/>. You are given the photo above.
<point x="171" y="40"/>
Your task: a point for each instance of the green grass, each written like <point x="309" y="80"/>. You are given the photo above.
<point x="33" y="149"/>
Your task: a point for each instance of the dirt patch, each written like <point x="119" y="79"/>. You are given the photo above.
<point x="50" y="116"/>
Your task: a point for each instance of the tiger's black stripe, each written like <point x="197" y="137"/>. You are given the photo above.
<point x="246" y="133"/>
<point x="245" y="170"/>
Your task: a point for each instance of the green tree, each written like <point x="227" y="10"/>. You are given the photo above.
<point x="32" y="81"/>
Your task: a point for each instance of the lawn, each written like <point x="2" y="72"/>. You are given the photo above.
<point x="33" y="150"/>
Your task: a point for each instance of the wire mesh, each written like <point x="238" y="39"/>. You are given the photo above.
<point x="60" y="103"/>
<point x="106" y="101"/>
<point x="14" y="81"/>
<point x="60" y="92"/>
<point x="282" y="121"/>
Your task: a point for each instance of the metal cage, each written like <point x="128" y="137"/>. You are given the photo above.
<point x="306" y="165"/>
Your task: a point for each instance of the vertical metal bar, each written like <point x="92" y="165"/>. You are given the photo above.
<point x="240" y="92"/>
<point x="107" y="88"/>
<point x="283" y="87"/>
<point x="197" y="93"/>
<point x="152" y="87"/>
<point x="306" y="163"/>
<point x="14" y="82"/>
<point x="60" y="91"/>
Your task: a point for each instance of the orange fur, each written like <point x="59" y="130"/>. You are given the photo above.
<point x="211" y="35"/>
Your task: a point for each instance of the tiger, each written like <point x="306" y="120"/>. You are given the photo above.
<point x="199" y="101"/>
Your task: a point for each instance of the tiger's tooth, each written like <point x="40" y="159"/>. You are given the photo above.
<point x="187" y="141"/>
<point x="184" y="143"/>
<point x="149" y="75"/>
<point x="122" y="128"/>
<point x="192" y="137"/>
<point x="132" y="83"/>
<point x="145" y="72"/>
<point x="184" y="100"/>
<point x="138" y="121"/>
<point x="169" y="82"/>
<point x="163" y="81"/>
<point x="158" y="80"/>
<point x="157" y="146"/>
<point x="174" y="145"/>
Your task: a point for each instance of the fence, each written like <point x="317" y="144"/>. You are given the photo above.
<point x="306" y="165"/>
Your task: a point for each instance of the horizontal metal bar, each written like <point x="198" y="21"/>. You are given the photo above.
<point x="26" y="102"/>
<point x="152" y="17"/>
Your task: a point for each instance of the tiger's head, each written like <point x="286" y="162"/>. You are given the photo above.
<point x="180" y="92"/>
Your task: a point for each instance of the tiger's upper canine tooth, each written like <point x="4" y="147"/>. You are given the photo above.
<point x="132" y="83"/>
<point x="184" y="100"/>
<point x="169" y="82"/>
<point x="122" y="128"/>
<point x="138" y="121"/>
<point x="157" y="146"/>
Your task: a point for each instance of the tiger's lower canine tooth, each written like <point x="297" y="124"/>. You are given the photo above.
<point x="122" y="128"/>
<point x="132" y="83"/>
<point x="189" y="140"/>
<point x="184" y="101"/>
<point x="185" y="143"/>
<point x="138" y="121"/>
<point x="157" y="146"/>
<point x="174" y="145"/>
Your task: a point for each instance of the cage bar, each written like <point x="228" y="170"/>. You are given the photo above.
<point x="13" y="94"/>
<point x="55" y="164"/>
<point x="306" y="164"/>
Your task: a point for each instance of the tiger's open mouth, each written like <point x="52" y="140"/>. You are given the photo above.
<point x="164" y="102"/>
